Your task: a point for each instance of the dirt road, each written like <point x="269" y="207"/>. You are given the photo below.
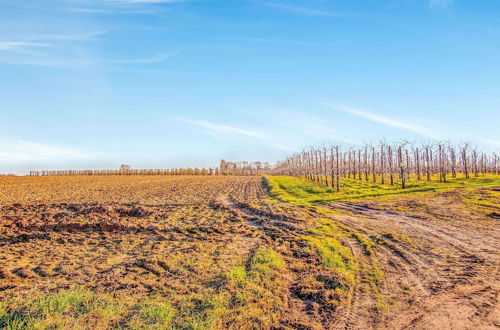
<point x="438" y="273"/>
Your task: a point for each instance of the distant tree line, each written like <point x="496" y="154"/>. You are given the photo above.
<point x="172" y="171"/>
<point x="244" y="168"/>
<point x="226" y="168"/>
<point x="387" y="163"/>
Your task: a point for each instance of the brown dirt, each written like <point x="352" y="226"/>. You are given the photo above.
<point x="438" y="274"/>
<point x="145" y="236"/>
<point x="172" y="235"/>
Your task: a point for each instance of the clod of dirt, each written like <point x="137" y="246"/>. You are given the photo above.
<point x="135" y="211"/>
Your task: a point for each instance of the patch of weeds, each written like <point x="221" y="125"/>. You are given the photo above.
<point x="379" y="240"/>
<point x="300" y="191"/>
<point x="84" y="220"/>
<point x="77" y="308"/>
<point x="374" y="277"/>
<point x="236" y="276"/>
<point x="335" y="256"/>
<point x="258" y="290"/>
<point x="365" y="243"/>
<point x="266" y="262"/>
<point x="13" y="319"/>
<point x="156" y="313"/>
<point x="249" y="295"/>
<point x="392" y="235"/>
<point x="75" y="301"/>
<point x="202" y="311"/>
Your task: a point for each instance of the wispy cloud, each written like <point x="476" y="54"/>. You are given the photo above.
<point x="294" y="42"/>
<point x="140" y="1"/>
<point x="296" y="128"/>
<point x="14" y="151"/>
<point x="19" y="48"/>
<point x="259" y="137"/>
<point x="122" y="2"/>
<point x="18" y="45"/>
<point x="436" y="4"/>
<point x="124" y="11"/>
<point x="384" y="120"/>
<point x="304" y="10"/>
<point x="57" y="54"/>
<point x="27" y="43"/>
<point x="88" y="36"/>
<point x="121" y="7"/>
<point x="223" y="128"/>
<point x="150" y="60"/>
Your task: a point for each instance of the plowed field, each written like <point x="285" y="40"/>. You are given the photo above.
<point x="225" y="252"/>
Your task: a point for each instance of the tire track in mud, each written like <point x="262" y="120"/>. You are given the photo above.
<point x="456" y="239"/>
<point x="440" y="269"/>
<point x="437" y="278"/>
<point x="283" y="233"/>
<point x="395" y="259"/>
<point x="360" y="312"/>
<point x="447" y="274"/>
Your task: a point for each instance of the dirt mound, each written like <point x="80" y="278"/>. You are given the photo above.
<point x="136" y="211"/>
<point x="115" y="210"/>
<point x="50" y="212"/>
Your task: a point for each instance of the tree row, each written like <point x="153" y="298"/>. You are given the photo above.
<point x="386" y="163"/>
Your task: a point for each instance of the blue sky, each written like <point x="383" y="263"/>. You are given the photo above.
<point x="152" y="83"/>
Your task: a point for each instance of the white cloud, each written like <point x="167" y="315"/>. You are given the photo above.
<point x="304" y="10"/>
<point x="261" y="138"/>
<point x="124" y="11"/>
<point x="89" y="36"/>
<point x="123" y="2"/>
<point x="30" y="47"/>
<point x="143" y="1"/>
<point x="123" y="7"/>
<point x="56" y="54"/>
<point x="224" y="128"/>
<point x="18" y="45"/>
<point x="139" y="1"/>
<point x="440" y="3"/>
<point x="384" y="120"/>
<point x="15" y="151"/>
<point x="305" y="126"/>
<point x="22" y="50"/>
<point x="153" y="59"/>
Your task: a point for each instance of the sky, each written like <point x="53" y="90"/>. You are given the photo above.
<point x="166" y="83"/>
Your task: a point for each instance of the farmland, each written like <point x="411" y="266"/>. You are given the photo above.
<point x="198" y="252"/>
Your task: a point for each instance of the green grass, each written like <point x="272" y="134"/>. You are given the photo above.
<point x="367" y="245"/>
<point x="202" y="311"/>
<point x="327" y="235"/>
<point x="156" y="313"/>
<point x="74" y="308"/>
<point x="335" y="256"/>
<point x="258" y="289"/>
<point x="300" y="191"/>
<point x="325" y="240"/>
<point x="250" y="295"/>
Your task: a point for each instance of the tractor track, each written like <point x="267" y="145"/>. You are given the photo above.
<point x="442" y="268"/>
<point x="435" y="272"/>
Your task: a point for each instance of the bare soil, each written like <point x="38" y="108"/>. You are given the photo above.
<point x="439" y="273"/>
<point x="174" y="235"/>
